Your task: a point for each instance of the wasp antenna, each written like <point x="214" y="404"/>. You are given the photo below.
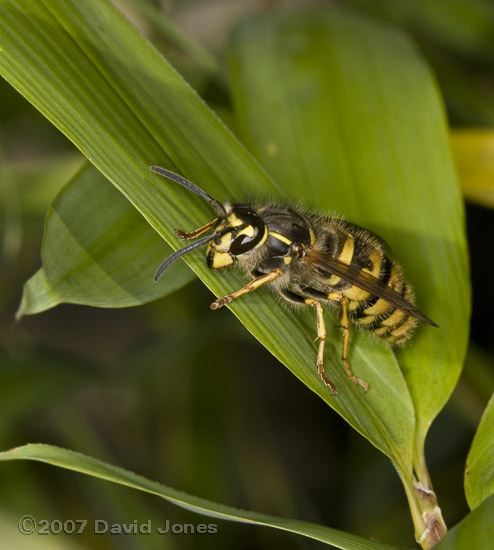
<point x="185" y="250"/>
<point x="191" y="187"/>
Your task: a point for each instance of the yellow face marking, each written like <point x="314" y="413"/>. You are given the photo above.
<point x="233" y="220"/>
<point x="219" y="251"/>
<point x="346" y="254"/>
<point x="381" y="306"/>
<point x="394" y="318"/>
<point x="281" y="237"/>
<point x="287" y="260"/>
<point x="224" y="244"/>
<point x="221" y="259"/>
<point x="249" y="231"/>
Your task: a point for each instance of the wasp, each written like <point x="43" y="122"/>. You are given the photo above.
<point x="309" y="260"/>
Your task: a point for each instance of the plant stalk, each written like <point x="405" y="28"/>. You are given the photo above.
<point x="426" y="514"/>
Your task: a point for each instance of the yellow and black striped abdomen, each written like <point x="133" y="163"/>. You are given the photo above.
<point x="364" y="253"/>
<point x="383" y="318"/>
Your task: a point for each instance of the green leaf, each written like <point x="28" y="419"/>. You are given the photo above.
<point x="474" y="531"/>
<point x="98" y="250"/>
<point x="479" y="473"/>
<point x="344" y="113"/>
<point x="77" y="462"/>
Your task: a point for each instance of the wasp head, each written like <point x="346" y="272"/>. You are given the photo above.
<point x="238" y="234"/>
<point x="237" y="231"/>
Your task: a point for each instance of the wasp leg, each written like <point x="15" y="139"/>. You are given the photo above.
<point x="321" y="332"/>
<point x="345" y="325"/>
<point x="249" y="287"/>
<point x="321" y="336"/>
<point x="196" y="233"/>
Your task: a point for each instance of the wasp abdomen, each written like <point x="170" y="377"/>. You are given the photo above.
<point x="364" y="255"/>
<point x="383" y="318"/>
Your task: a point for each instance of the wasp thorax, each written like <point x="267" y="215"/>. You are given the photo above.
<point x="241" y="232"/>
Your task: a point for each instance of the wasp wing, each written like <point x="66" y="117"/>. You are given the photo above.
<point x="355" y="276"/>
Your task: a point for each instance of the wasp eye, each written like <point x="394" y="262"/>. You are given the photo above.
<point x="244" y="242"/>
<point x="241" y="245"/>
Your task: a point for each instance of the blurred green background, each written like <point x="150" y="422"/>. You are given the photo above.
<point x="184" y="395"/>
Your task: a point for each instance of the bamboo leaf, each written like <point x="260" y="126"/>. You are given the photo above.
<point x="344" y="113"/>
<point x="77" y="462"/>
<point x="107" y="248"/>
<point x="479" y="473"/>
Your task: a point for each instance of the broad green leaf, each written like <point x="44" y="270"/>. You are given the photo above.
<point x="77" y="462"/>
<point x="479" y="473"/>
<point x="474" y="154"/>
<point x="474" y="531"/>
<point x="126" y="108"/>
<point x="344" y="114"/>
<point x="98" y="250"/>
<point x="452" y="34"/>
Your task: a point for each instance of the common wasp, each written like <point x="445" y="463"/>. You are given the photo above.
<point x="308" y="259"/>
